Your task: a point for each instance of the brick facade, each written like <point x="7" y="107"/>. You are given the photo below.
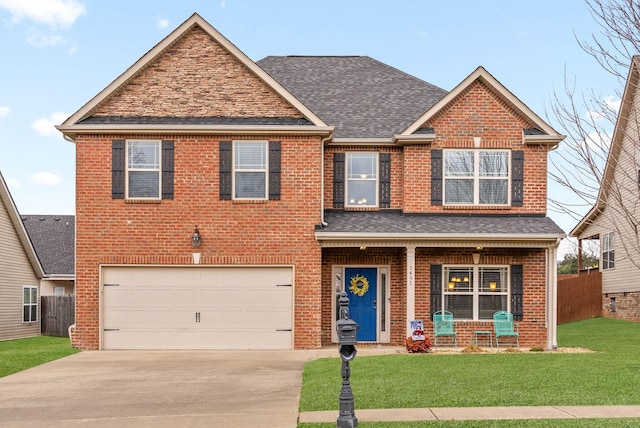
<point x="196" y="76"/>
<point x="627" y="306"/>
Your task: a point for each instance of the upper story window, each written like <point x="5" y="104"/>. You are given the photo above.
<point x="250" y="159"/>
<point x="475" y="292"/>
<point x="362" y="179"/>
<point x="476" y="177"/>
<point x="608" y="251"/>
<point x="143" y="169"/>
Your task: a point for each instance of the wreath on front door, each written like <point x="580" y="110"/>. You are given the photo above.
<point x="359" y="285"/>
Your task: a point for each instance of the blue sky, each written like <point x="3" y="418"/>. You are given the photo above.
<point x="58" y="54"/>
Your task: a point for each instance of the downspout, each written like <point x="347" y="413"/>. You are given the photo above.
<point x="552" y="296"/>
<point x="322" y="143"/>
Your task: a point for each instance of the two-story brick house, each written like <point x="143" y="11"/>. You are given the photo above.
<point x="223" y="203"/>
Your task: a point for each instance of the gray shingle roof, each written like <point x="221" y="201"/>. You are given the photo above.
<point x="395" y="222"/>
<point x="53" y="237"/>
<point x="360" y="96"/>
<point x="153" y="120"/>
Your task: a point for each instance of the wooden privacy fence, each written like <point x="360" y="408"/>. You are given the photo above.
<point x="580" y="298"/>
<point x="57" y="314"/>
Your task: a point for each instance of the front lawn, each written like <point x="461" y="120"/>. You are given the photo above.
<point x="21" y="354"/>
<point x="609" y="376"/>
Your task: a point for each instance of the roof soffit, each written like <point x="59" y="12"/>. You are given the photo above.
<point x="157" y="50"/>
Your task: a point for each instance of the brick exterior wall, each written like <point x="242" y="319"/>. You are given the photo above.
<point x="116" y="231"/>
<point x="627" y="306"/>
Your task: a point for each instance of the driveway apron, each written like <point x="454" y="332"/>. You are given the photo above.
<point x="157" y="389"/>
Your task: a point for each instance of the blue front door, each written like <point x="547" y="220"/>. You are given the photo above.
<point x="361" y="285"/>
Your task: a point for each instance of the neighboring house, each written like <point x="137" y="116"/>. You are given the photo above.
<point x="53" y="237"/>
<point x="613" y="220"/>
<point x="20" y="273"/>
<point x="223" y="203"/>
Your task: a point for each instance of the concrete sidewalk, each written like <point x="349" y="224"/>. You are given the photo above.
<point x="478" y="413"/>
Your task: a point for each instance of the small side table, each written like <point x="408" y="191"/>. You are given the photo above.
<point x="485" y="336"/>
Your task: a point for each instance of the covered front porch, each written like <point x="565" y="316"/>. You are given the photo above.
<point x="395" y="276"/>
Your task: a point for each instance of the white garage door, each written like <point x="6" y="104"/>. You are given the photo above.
<point x="197" y="307"/>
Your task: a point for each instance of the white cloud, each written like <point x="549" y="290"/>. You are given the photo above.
<point x="162" y="23"/>
<point x="54" y="13"/>
<point x="4" y="111"/>
<point x="38" y="40"/>
<point x="46" y="126"/>
<point x="611" y="103"/>
<point x="45" y="179"/>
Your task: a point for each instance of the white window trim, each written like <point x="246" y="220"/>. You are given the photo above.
<point x="158" y="170"/>
<point x="476" y="293"/>
<point x="608" y="246"/>
<point x="347" y="201"/>
<point x="265" y="170"/>
<point x="476" y="177"/>
<point x="24" y="304"/>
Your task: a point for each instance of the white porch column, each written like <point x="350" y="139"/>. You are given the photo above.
<point x="552" y="298"/>
<point x="411" y="286"/>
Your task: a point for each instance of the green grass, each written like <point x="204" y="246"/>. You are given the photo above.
<point x="609" y="376"/>
<point x="21" y="354"/>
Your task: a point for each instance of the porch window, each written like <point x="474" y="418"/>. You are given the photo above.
<point x="29" y="304"/>
<point x="475" y="292"/>
<point x="143" y="169"/>
<point x="362" y="180"/>
<point x="608" y="251"/>
<point x="476" y="177"/>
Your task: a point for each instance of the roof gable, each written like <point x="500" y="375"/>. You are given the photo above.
<point x="7" y="202"/>
<point x="627" y="110"/>
<point x="482" y="78"/>
<point x="193" y="72"/>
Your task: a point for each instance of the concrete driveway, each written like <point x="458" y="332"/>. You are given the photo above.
<point x="157" y="389"/>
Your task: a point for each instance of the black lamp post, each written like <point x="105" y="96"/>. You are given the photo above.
<point x="347" y="329"/>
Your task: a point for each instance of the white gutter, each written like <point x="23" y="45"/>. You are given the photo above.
<point x="71" y="131"/>
<point x="332" y="236"/>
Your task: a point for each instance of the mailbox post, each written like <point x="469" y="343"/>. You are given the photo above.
<point x="347" y="329"/>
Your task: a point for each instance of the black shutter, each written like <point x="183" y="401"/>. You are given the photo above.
<point x="167" y="169"/>
<point x="274" y="170"/>
<point x="385" y="180"/>
<point x="117" y="169"/>
<point x="517" y="178"/>
<point x="436" y="177"/>
<point x="435" y="289"/>
<point x="338" y="180"/>
<point x="225" y="170"/>
<point x="516" y="292"/>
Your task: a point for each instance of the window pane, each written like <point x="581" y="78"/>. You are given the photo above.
<point x="250" y="155"/>
<point x="25" y="295"/>
<point x="144" y="184"/>
<point x="494" y="164"/>
<point x="34" y="295"/>
<point x="25" y="314"/>
<point x="144" y="154"/>
<point x="459" y="279"/>
<point x="493" y="280"/>
<point x="488" y="304"/>
<point x="494" y="192"/>
<point x="458" y="163"/>
<point x="362" y="165"/>
<point x="362" y="192"/>
<point x="250" y="185"/>
<point x="34" y="313"/>
<point x="457" y="191"/>
<point x="461" y="306"/>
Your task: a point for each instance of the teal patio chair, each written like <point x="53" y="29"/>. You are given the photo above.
<point x="504" y="327"/>
<point x="443" y="326"/>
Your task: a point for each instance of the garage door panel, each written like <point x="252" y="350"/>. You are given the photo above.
<point x="197" y="308"/>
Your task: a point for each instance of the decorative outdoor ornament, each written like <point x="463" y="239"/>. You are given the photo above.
<point x="359" y="285"/>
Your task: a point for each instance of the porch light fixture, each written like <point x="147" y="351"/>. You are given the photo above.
<point x="195" y="238"/>
<point x="492" y="285"/>
<point x="451" y="285"/>
<point x="476" y="258"/>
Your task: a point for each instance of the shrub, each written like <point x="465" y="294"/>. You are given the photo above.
<point x="414" y="346"/>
